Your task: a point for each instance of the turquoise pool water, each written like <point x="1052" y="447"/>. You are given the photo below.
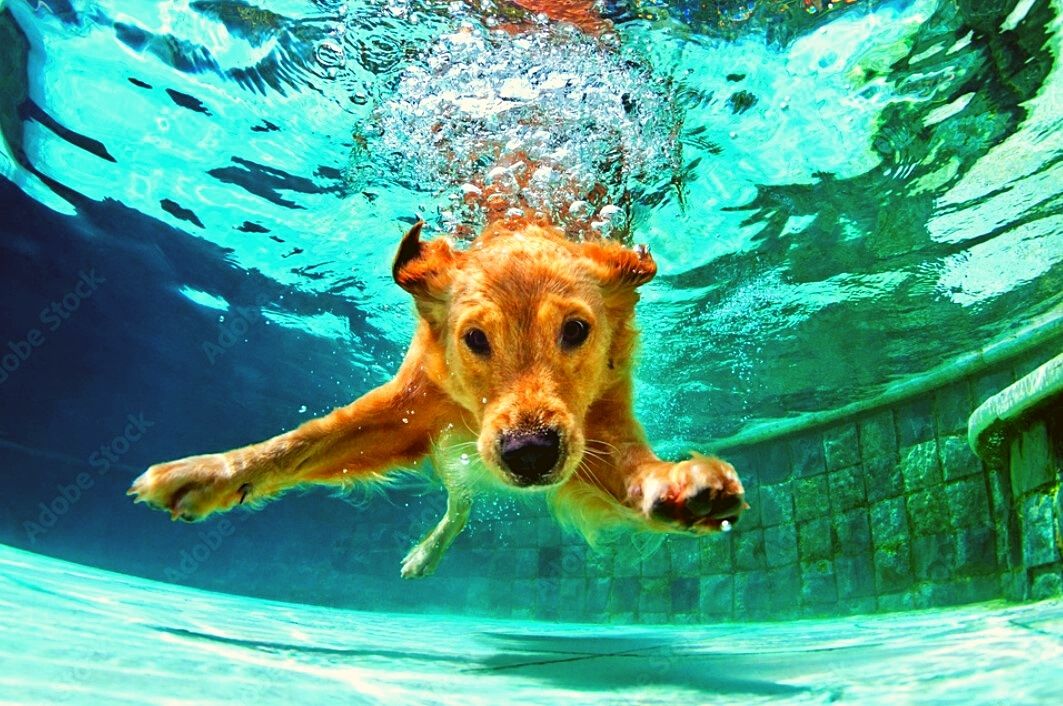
<point x="73" y="634"/>
<point x="199" y="205"/>
<point x="810" y="184"/>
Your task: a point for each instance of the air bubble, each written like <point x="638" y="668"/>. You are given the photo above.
<point x="329" y="54"/>
<point x="496" y="174"/>
<point x="539" y="118"/>
<point x="581" y="209"/>
<point x="518" y="89"/>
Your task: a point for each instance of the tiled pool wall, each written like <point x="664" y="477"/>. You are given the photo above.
<point x="887" y="511"/>
<point x="1031" y="464"/>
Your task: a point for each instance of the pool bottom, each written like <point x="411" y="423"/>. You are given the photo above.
<point x="70" y="634"/>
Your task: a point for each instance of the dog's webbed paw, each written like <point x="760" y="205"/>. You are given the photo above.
<point x="700" y="495"/>
<point x="422" y="560"/>
<point x="192" y="488"/>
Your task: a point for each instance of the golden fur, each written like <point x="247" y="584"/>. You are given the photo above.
<point x="519" y="284"/>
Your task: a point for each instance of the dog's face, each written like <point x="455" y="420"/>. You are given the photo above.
<point x="528" y="330"/>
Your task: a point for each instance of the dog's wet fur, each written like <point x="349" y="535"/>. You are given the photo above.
<point x="522" y="358"/>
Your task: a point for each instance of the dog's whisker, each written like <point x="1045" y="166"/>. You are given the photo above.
<point x="603" y="443"/>
<point x="596" y="454"/>
<point x="469" y="428"/>
<point x="586" y="468"/>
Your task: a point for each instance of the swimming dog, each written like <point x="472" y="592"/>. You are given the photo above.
<point x="519" y="377"/>
<point x="521" y="361"/>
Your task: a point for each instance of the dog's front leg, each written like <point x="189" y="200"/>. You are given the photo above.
<point x="700" y="494"/>
<point x="389" y="427"/>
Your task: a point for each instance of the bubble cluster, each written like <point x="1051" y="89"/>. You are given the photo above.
<point x="548" y="122"/>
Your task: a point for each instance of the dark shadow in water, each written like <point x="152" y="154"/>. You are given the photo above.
<point x="1049" y="619"/>
<point x="602" y="662"/>
<point x="275" y="647"/>
<point x="178" y="211"/>
<point x="31" y="111"/>
<point x="598" y="663"/>
<point x="186" y="101"/>
<point x="266" y="182"/>
<point x="596" y="644"/>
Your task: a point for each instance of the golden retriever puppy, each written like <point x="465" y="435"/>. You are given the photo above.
<point x="518" y="376"/>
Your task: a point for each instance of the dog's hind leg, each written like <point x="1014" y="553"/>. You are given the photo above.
<point x="423" y="559"/>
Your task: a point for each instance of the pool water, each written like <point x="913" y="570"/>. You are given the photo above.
<point x="810" y="184"/>
<point x="849" y="203"/>
<point x="73" y="634"/>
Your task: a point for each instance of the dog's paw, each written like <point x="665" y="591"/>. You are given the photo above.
<point x="699" y="495"/>
<point x="192" y="488"/>
<point x="421" y="561"/>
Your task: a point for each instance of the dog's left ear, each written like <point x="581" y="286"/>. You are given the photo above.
<point x="424" y="269"/>
<point x="619" y="267"/>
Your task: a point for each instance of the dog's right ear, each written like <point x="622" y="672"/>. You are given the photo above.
<point x="424" y="269"/>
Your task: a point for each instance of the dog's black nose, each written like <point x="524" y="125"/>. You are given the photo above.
<point x="530" y="455"/>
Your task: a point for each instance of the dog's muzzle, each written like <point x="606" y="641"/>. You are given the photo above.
<point x="530" y="456"/>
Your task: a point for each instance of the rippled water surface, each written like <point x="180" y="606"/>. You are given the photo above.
<point x="837" y="199"/>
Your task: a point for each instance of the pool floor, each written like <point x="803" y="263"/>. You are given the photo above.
<point x="70" y="634"/>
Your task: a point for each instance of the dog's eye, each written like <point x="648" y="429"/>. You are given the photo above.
<point x="574" y="332"/>
<point x="476" y="340"/>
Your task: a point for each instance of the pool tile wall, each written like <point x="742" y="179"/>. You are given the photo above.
<point x="1033" y="539"/>
<point x="888" y="511"/>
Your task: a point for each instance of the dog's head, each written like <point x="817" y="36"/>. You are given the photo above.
<point x="527" y="331"/>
